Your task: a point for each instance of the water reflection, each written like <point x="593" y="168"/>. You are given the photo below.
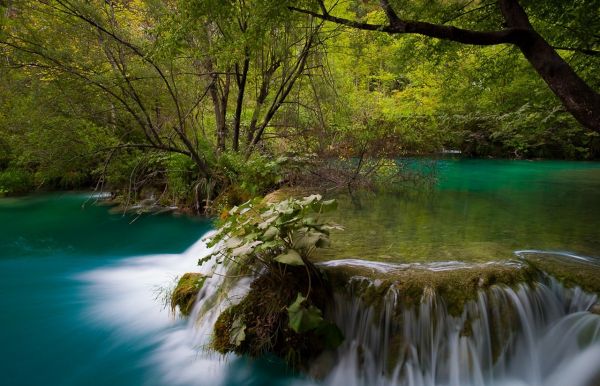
<point x="477" y="211"/>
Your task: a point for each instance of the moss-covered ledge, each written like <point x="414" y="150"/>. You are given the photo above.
<point x="570" y="270"/>
<point x="456" y="285"/>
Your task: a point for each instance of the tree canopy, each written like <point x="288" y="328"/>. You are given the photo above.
<point x="208" y="99"/>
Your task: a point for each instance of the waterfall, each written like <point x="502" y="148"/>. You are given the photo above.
<point x="124" y="298"/>
<point x="532" y="335"/>
<point x="537" y="334"/>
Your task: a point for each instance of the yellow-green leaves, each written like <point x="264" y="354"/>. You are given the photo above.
<point x="286" y="232"/>
<point x="237" y="332"/>
<point x="302" y="319"/>
<point x="291" y="257"/>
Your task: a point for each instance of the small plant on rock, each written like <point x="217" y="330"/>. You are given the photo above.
<point x="282" y="313"/>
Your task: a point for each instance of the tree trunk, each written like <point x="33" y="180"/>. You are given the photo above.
<point x="241" y="78"/>
<point x="578" y="98"/>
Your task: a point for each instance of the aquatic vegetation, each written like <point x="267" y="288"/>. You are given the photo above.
<point x="569" y="269"/>
<point x="456" y="286"/>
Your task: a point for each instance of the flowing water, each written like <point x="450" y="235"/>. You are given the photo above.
<point x="549" y="340"/>
<point x="81" y="290"/>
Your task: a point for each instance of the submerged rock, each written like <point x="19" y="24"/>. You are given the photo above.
<point x="185" y="293"/>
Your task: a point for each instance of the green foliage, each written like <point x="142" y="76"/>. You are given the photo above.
<point x="145" y="94"/>
<point x="181" y="174"/>
<point x="256" y="175"/>
<point x="275" y="242"/>
<point x="15" y="181"/>
<point x="288" y="232"/>
<point x="302" y="319"/>
<point x="238" y="332"/>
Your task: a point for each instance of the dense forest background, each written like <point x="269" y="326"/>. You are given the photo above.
<point x="208" y="101"/>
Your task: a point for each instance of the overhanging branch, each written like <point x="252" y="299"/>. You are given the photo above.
<point x="439" y="31"/>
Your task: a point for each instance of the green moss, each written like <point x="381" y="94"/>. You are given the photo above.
<point x="184" y="294"/>
<point x="221" y="340"/>
<point x="455" y="287"/>
<point x="569" y="272"/>
<point x="264" y="314"/>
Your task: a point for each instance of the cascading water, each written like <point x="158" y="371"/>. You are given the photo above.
<point x="533" y="335"/>
<point x="536" y="334"/>
<point x="129" y="300"/>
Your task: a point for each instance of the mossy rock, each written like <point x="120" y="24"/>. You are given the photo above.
<point x="185" y="293"/>
<point x="264" y="318"/>
<point x="453" y="288"/>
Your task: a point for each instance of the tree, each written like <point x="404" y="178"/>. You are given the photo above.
<point x="169" y="74"/>
<point x="579" y="99"/>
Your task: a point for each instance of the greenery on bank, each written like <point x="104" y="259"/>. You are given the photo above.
<point x="205" y="104"/>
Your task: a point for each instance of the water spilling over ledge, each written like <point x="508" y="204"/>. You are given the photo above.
<point x="448" y="324"/>
<point x="535" y="334"/>
<point x="102" y="324"/>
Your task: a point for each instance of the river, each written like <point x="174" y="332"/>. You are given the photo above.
<point x="82" y="288"/>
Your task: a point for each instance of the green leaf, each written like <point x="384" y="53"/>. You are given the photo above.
<point x="270" y="233"/>
<point x="237" y="334"/>
<point x="265" y="224"/>
<point x="233" y="242"/>
<point x="291" y="257"/>
<point x="306" y="240"/>
<point x="310" y="199"/>
<point x="205" y="259"/>
<point x="310" y="239"/>
<point x="302" y="319"/>
<point x="323" y="242"/>
<point x="245" y="249"/>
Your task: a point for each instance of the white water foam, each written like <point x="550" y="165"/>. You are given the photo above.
<point x="124" y="298"/>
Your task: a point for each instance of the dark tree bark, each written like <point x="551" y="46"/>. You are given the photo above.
<point x="241" y="80"/>
<point x="577" y="97"/>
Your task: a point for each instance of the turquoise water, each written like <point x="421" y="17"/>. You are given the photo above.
<point x="75" y="308"/>
<point x="47" y="335"/>
<point x="80" y="287"/>
<point x="478" y="211"/>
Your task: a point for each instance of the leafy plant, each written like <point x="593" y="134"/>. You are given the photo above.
<point x="275" y="242"/>
<point x="288" y="232"/>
